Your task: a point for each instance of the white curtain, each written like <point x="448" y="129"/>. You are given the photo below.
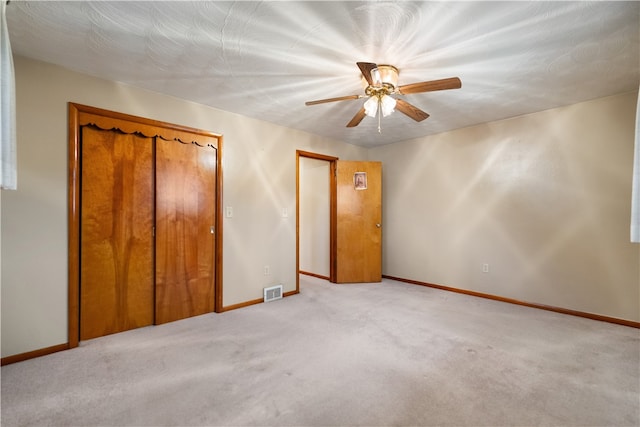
<point x="635" y="191"/>
<point x="8" y="173"/>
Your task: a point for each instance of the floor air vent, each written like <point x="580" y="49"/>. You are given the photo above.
<point x="272" y="293"/>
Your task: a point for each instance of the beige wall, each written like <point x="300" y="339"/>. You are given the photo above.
<point x="544" y="199"/>
<point x="259" y="164"/>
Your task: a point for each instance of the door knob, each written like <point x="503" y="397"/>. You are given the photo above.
<point x="378" y="224"/>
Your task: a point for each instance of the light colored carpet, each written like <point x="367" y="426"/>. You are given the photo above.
<point x="388" y="354"/>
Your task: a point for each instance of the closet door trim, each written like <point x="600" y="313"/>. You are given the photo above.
<point x="82" y="115"/>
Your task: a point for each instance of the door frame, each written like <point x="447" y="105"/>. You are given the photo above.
<point x="149" y="128"/>
<point x="333" y="197"/>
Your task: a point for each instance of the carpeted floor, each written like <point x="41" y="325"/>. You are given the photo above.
<point x="386" y="354"/>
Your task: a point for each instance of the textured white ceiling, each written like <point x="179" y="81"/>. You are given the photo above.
<point x="265" y="59"/>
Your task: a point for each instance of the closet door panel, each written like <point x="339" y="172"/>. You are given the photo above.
<point x="116" y="220"/>
<point x="185" y="215"/>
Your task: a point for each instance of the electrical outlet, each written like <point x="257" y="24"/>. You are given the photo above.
<point x="485" y="268"/>
<point x="266" y="270"/>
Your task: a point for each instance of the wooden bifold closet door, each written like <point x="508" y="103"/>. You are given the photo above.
<point x="146" y="225"/>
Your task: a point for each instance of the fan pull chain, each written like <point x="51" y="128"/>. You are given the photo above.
<point x="379" y="114"/>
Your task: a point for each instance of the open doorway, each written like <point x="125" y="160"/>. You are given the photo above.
<point x="352" y="191"/>
<point x="315" y="195"/>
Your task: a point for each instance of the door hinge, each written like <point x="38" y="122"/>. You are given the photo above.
<point x="153" y="231"/>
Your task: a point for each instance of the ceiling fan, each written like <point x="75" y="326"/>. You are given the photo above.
<point x="382" y="82"/>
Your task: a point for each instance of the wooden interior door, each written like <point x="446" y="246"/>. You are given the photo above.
<point x="185" y="239"/>
<point x="358" y="231"/>
<point x="116" y="228"/>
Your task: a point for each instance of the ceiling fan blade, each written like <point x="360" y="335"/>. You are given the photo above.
<point x="357" y="118"/>
<point x="340" y="98"/>
<point x="430" y="86"/>
<point x="365" y="68"/>
<point x="410" y="110"/>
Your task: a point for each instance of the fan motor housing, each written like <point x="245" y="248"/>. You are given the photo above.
<point x="387" y="75"/>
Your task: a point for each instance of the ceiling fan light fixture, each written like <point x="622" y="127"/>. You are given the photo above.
<point x="371" y="106"/>
<point x="387" y="105"/>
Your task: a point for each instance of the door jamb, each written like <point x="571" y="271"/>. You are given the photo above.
<point x="332" y="212"/>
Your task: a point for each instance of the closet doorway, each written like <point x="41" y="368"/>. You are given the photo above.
<point x="145" y="235"/>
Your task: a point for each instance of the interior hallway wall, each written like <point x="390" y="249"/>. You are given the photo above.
<point x="259" y="165"/>
<point x="543" y="199"/>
